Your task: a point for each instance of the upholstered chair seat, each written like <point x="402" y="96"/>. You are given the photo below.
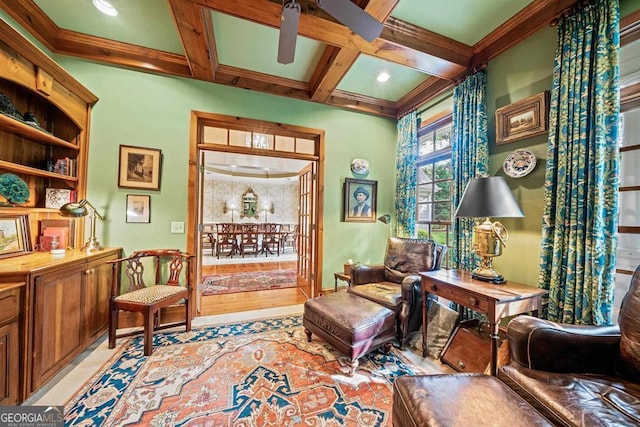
<point x="396" y="283"/>
<point x="147" y="282"/>
<point x="384" y="293"/>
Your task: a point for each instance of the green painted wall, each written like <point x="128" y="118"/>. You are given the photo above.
<point x="522" y="71"/>
<point x="154" y="111"/>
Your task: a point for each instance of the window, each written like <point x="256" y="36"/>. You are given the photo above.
<point x="628" y="254"/>
<point x="433" y="207"/>
<point x="629" y="205"/>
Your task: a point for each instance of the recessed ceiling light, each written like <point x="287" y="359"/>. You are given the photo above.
<point x="383" y="77"/>
<point x="105" y="7"/>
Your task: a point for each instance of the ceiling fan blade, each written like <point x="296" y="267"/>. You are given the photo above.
<point x="363" y="24"/>
<point x="288" y="32"/>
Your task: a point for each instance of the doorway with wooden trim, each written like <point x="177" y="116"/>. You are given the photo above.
<point x="245" y="150"/>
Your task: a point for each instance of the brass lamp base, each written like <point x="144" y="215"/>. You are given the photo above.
<point x="486" y="272"/>
<point x="497" y="280"/>
<point x="91" y="245"/>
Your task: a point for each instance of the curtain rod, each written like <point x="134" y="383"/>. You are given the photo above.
<point x="418" y="112"/>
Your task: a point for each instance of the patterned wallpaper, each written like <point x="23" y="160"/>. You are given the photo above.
<point x="283" y="194"/>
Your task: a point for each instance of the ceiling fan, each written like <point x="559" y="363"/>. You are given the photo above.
<point x="349" y="14"/>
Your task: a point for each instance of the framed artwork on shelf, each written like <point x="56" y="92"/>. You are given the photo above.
<point x="360" y="197"/>
<point x="139" y="168"/>
<point x="138" y="208"/>
<point x="522" y="119"/>
<point x="56" y="197"/>
<point x="15" y="236"/>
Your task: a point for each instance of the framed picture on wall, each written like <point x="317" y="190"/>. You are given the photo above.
<point x="15" y="237"/>
<point x="360" y="197"/>
<point x="522" y="119"/>
<point x="138" y="208"/>
<point x="139" y="168"/>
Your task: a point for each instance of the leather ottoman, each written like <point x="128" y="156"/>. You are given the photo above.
<point x="351" y="324"/>
<point x="460" y="400"/>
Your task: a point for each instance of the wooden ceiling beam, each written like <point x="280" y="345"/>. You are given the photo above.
<point x="335" y="63"/>
<point x="362" y="103"/>
<point x="33" y="19"/>
<point x="58" y="40"/>
<point x="121" y="54"/>
<point x="331" y="69"/>
<point x="434" y="58"/>
<point x="429" y="89"/>
<point x="421" y="49"/>
<point x="533" y="17"/>
<point x="190" y="22"/>
<point x="253" y="80"/>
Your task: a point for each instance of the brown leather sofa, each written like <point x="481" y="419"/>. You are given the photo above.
<point x="579" y="375"/>
<point x="396" y="283"/>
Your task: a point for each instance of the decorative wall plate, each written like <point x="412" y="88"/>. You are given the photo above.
<point x="360" y="166"/>
<point x="14" y="189"/>
<point x="519" y="163"/>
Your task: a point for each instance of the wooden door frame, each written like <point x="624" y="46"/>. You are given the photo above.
<point x="198" y="119"/>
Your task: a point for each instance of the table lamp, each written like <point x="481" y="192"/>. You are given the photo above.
<point x="483" y="198"/>
<point x="231" y="208"/>
<point x="79" y="209"/>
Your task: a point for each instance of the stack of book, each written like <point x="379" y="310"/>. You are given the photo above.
<point x="63" y="166"/>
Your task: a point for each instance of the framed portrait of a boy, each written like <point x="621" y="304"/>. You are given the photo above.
<point x="360" y="197"/>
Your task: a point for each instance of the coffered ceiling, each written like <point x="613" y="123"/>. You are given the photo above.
<point x="424" y="46"/>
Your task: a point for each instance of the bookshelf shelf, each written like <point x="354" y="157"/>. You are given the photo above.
<point x="18" y="128"/>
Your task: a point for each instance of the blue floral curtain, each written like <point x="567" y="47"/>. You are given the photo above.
<point x="469" y="157"/>
<point x="579" y="230"/>
<point x="406" y="175"/>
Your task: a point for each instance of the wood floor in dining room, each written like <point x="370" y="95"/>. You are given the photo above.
<point x="244" y="301"/>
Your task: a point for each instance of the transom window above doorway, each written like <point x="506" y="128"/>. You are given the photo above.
<point x="257" y="140"/>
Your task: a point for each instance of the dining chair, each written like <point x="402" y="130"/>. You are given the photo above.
<point x="289" y="239"/>
<point x="146" y="282"/>
<point x="271" y="239"/>
<point x="227" y="239"/>
<point x="249" y="239"/>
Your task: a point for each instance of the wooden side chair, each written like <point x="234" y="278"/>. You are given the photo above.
<point x="289" y="239"/>
<point x="227" y="239"/>
<point x="249" y="239"/>
<point x="169" y="273"/>
<point x="271" y="239"/>
<point x="208" y="238"/>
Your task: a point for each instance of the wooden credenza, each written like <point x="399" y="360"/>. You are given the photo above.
<point x="62" y="309"/>
<point x="10" y="297"/>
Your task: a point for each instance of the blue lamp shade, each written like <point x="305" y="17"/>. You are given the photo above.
<point x="488" y="197"/>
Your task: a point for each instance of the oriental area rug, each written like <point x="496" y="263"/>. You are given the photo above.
<point x="259" y="373"/>
<point x="217" y="284"/>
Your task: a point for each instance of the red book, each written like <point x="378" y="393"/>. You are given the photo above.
<point x="45" y="243"/>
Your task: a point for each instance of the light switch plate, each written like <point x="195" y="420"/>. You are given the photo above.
<point x="177" y="226"/>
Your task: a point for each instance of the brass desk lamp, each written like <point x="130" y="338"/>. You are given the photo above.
<point x="483" y="198"/>
<point x="79" y="209"/>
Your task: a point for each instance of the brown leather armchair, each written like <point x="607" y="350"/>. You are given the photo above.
<point x="579" y="375"/>
<point x="396" y="283"/>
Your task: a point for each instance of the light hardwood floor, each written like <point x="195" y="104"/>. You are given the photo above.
<point x="245" y="301"/>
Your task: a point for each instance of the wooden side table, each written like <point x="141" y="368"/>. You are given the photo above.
<point x="496" y="301"/>
<point x="341" y="276"/>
